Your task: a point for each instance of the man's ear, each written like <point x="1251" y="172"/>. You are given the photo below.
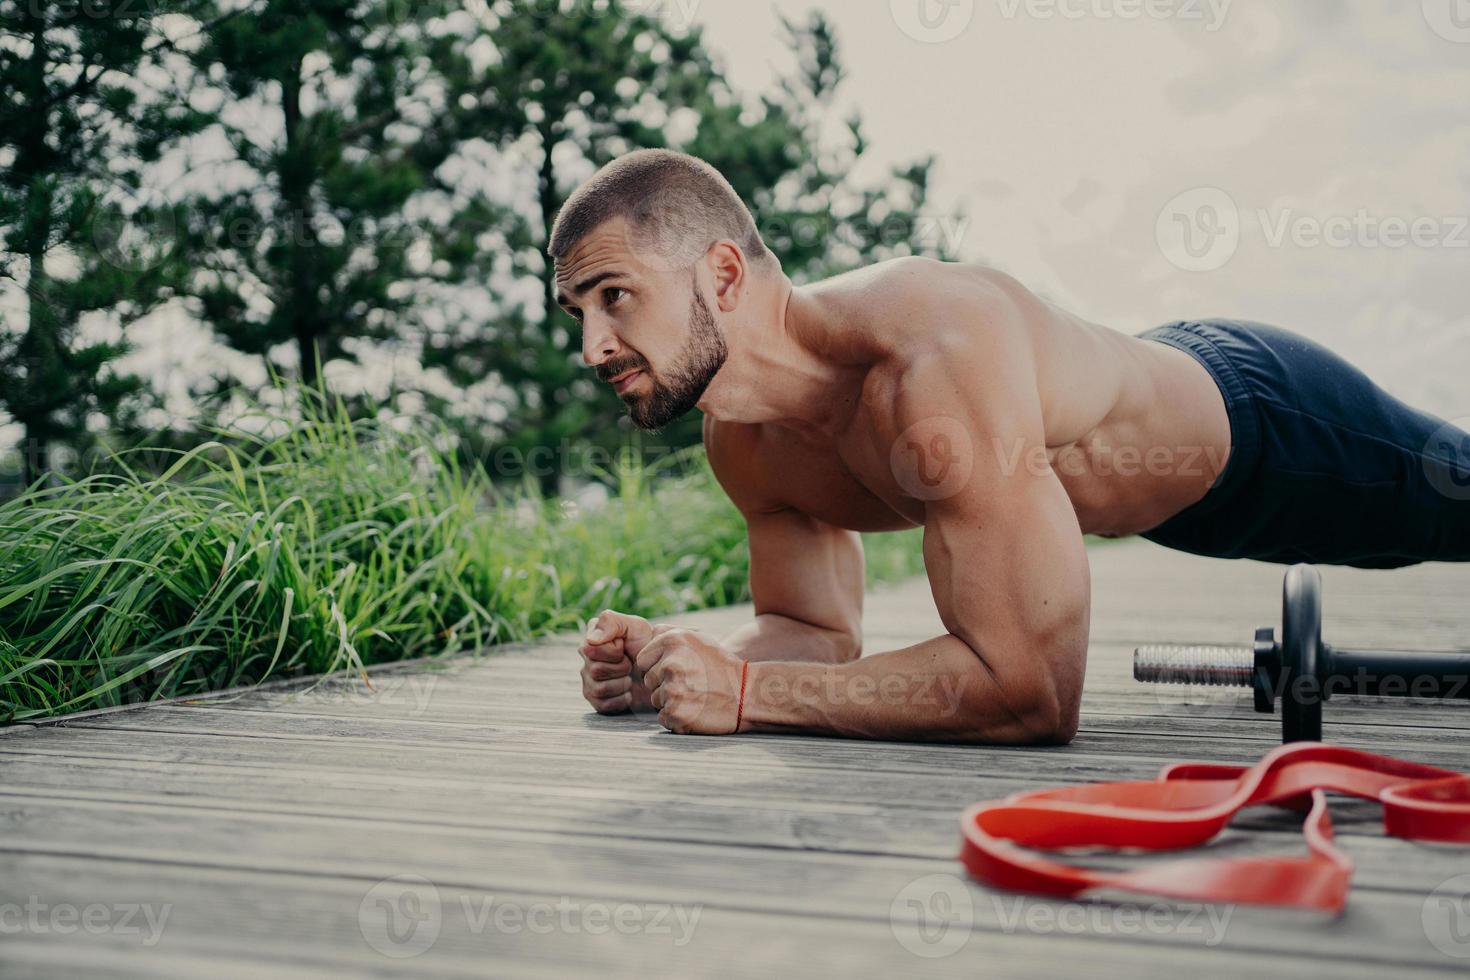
<point x="730" y="272"/>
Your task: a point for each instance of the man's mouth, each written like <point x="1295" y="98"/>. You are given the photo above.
<point x="623" y="381"/>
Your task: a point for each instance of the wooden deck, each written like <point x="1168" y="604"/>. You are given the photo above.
<point x="476" y="819"/>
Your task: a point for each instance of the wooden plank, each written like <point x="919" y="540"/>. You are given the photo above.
<point x="1164" y="731"/>
<point x="559" y="696"/>
<point x="301" y="916"/>
<point x="319" y="834"/>
<point x="27" y="956"/>
<point x="314" y="921"/>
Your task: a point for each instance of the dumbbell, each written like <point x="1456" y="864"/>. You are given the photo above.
<point x="1302" y="670"/>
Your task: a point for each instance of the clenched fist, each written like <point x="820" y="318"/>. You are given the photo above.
<point x="612" y="642"/>
<point x="692" y="680"/>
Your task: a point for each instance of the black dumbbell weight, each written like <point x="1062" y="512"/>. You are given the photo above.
<point x="1301" y="670"/>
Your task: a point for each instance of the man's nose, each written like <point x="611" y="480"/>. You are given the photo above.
<point x="599" y="342"/>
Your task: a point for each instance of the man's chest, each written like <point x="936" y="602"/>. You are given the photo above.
<point x="853" y="483"/>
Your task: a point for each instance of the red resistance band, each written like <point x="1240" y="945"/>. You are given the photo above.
<point x="1190" y="803"/>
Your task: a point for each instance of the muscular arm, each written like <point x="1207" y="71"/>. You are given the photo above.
<point x="806" y="576"/>
<point x="1006" y="565"/>
<point x="806" y="580"/>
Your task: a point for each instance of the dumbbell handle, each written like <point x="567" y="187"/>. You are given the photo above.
<point x="1215" y="666"/>
<point x="1386" y="673"/>
<point x="1400" y="673"/>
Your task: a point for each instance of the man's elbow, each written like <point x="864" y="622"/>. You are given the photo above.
<point x="843" y="645"/>
<point x="1046" y="718"/>
<point x="1022" y="714"/>
<point x="1040" y="705"/>
<point x="1049" y="693"/>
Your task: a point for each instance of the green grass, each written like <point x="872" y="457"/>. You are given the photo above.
<point x="332" y="544"/>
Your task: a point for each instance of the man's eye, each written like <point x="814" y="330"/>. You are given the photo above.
<point x="612" y="294"/>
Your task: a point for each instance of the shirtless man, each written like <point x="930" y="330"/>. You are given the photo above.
<point x="919" y="393"/>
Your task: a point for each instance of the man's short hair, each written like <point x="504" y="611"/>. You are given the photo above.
<point x="675" y="206"/>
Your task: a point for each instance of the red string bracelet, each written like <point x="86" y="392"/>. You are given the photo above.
<point x="740" y="710"/>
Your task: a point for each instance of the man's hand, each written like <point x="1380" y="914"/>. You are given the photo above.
<point x="692" y="680"/>
<point x="612" y="643"/>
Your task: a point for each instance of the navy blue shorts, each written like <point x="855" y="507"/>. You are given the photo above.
<point x="1325" y="466"/>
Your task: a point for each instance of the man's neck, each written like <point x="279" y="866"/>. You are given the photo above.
<point x="774" y="373"/>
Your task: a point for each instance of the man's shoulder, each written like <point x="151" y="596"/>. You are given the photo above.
<point x="961" y="351"/>
<point x="919" y="279"/>
<point x="911" y="306"/>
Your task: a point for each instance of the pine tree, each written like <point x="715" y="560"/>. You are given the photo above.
<point x="77" y="129"/>
<point x="324" y="238"/>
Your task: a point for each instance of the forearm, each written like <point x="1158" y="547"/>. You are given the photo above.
<point x="937" y="690"/>
<point x="771" y="636"/>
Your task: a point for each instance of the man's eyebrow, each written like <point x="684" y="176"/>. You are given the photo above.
<point x="590" y="282"/>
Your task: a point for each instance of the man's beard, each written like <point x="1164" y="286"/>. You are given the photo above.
<point x="702" y="357"/>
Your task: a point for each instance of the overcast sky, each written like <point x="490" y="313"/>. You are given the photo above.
<point x="1301" y="162"/>
<point x="1331" y="138"/>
